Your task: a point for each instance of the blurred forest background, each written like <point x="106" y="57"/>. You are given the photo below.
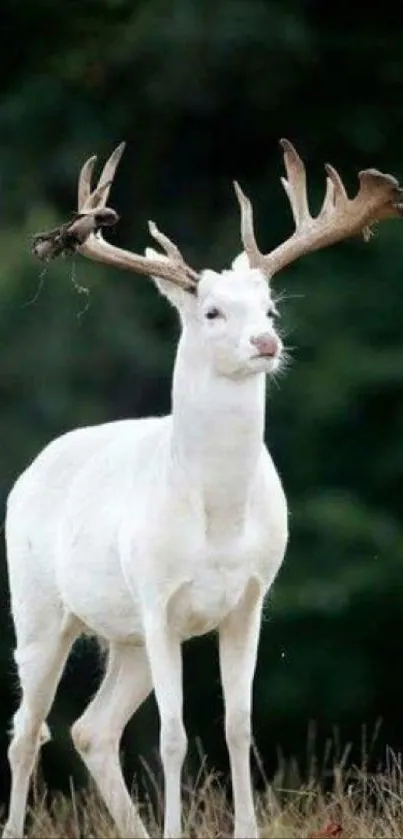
<point x="202" y="91"/>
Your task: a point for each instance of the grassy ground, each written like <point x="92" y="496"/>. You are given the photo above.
<point x="360" y="805"/>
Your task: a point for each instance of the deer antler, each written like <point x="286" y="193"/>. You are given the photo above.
<point x="379" y="197"/>
<point x="84" y="232"/>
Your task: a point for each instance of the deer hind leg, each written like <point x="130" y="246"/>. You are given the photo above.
<point x="40" y="665"/>
<point x="96" y="735"/>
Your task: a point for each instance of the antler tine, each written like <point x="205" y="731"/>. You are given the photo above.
<point x="295" y="186"/>
<point x="330" y="197"/>
<point x="108" y="173"/>
<point x="87" y="200"/>
<point x="340" y="193"/>
<point x="84" y="182"/>
<point x="169" y="247"/>
<point x="247" y="231"/>
<point x="171" y="250"/>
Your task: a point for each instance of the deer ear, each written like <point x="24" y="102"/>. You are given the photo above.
<point x="183" y="300"/>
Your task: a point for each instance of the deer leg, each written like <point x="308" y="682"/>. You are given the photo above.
<point x="165" y="656"/>
<point x="96" y="735"/>
<point x="238" y="641"/>
<point x="40" y="665"/>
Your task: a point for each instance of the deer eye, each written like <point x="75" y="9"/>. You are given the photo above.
<point x="213" y="313"/>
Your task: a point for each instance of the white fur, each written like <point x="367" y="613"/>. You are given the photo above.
<point x="146" y="533"/>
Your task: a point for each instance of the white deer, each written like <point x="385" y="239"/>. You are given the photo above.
<point x="148" y="532"/>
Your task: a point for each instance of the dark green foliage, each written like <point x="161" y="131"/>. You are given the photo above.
<point x="201" y="92"/>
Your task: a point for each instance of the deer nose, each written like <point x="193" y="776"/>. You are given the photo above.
<point x="266" y="344"/>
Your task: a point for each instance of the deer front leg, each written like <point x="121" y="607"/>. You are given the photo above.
<point x="165" y="657"/>
<point x="238" y="642"/>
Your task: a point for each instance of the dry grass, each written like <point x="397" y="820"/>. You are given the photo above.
<point x="362" y="804"/>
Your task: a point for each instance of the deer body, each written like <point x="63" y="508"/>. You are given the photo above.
<point x="148" y="532"/>
<point x="133" y="518"/>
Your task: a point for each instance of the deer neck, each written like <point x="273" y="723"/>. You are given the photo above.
<point x="218" y="427"/>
